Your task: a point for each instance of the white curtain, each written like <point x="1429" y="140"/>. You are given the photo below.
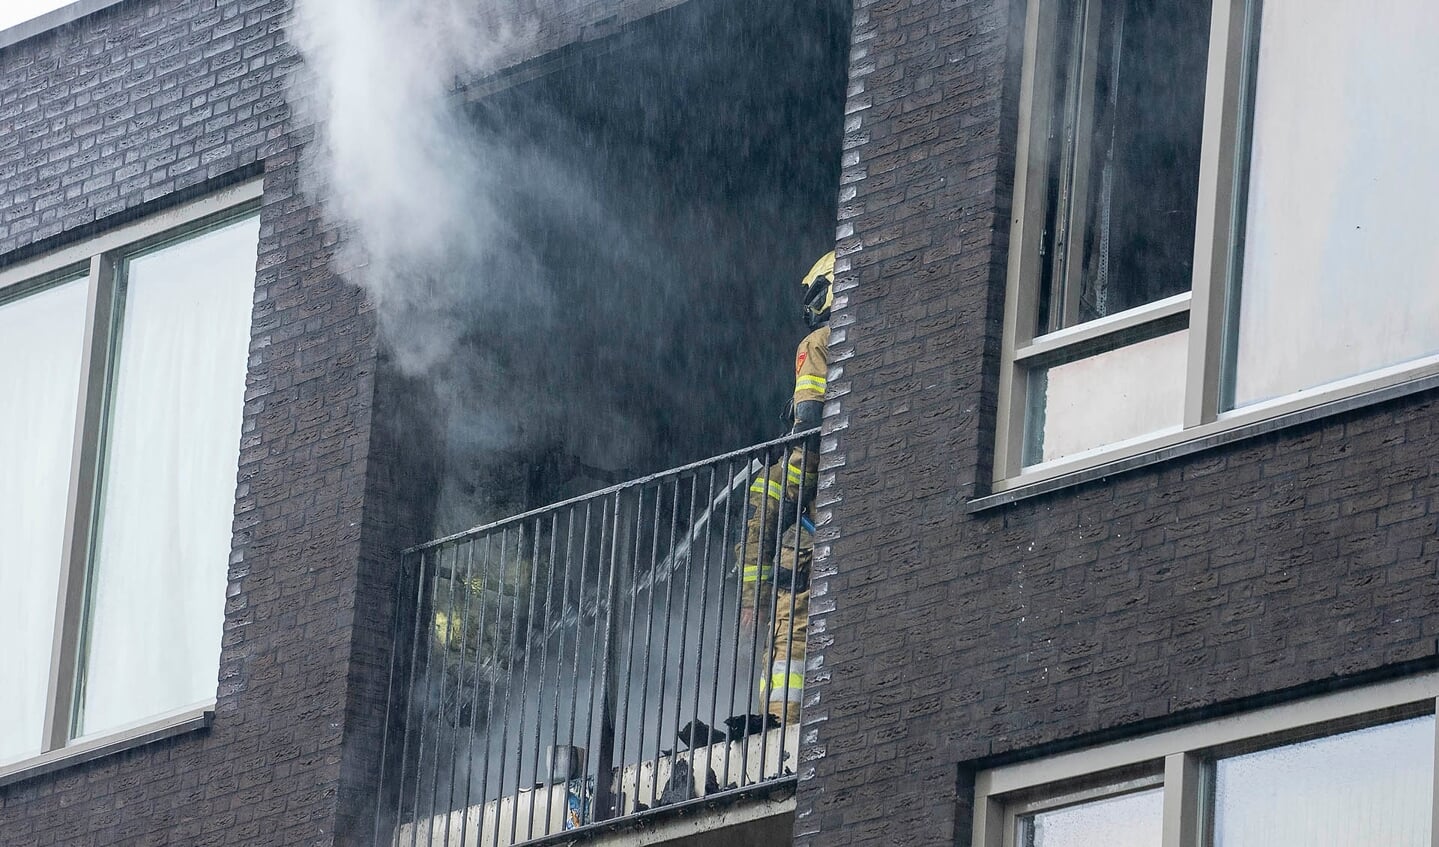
<point x="41" y="339"/>
<point x="168" y="484"/>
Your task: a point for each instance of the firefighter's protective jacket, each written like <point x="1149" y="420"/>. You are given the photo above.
<point x="811" y="366"/>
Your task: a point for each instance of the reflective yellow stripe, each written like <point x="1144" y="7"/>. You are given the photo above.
<point x="796" y="475"/>
<point x="786" y="688"/>
<point x="809" y="383"/>
<point x="753" y="573"/>
<point x="793" y="681"/>
<point x="762" y="486"/>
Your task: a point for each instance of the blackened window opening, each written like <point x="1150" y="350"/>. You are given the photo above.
<point x="1123" y="156"/>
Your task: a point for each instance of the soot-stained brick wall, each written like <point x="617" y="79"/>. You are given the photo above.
<point x="1265" y="568"/>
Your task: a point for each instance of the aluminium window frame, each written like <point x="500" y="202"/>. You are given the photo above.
<point x="1185" y="756"/>
<point x="1205" y="310"/>
<point x="101" y="260"/>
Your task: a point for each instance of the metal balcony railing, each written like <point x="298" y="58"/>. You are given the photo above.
<point x="601" y="657"/>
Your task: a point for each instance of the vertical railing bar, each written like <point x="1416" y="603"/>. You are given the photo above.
<point x="621" y="730"/>
<point x="739" y="605"/>
<point x="478" y="672"/>
<point x="704" y="620"/>
<point x="493" y="684"/>
<point x="604" y="788"/>
<point x="771" y="649"/>
<point x="794" y="576"/>
<point x="439" y="719"/>
<point x="575" y="672"/>
<point x="756" y="639"/>
<point x="597" y="657"/>
<point x="509" y="682"/>
<point x="648" y="642"/>
<point x="420" y="582"/>
<point x="429" y="665"/>
<point x="684" y="634"/>
<point x="669" y="628"/>
<point x="630" y="643"/>
<point x="773" y="652"/>
<point x="440" y="711"/>
<point x="426" y="719"/>
<point x="544" y="678"/>
<point x="395" y="643"/>
<point x="525" y="686"/>
<point x="460" y="664"/>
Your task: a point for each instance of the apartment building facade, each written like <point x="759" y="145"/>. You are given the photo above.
<point x="1143" y="559"/>
<point x="1108" y="536"/>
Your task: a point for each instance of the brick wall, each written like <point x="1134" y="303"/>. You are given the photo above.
<point x="111" y="118"/>
<point x="108" y="119"/>
<point x="1268" y="567"/>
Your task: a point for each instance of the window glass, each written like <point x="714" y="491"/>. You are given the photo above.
<point x="1130" y="820"/>
<point x="41" y="345"/>
<point x="1124" y="157"/>
<point x="1103" y="399"/>
<point x="1340" y="267"/>
<point x="157" y="583"/>
<point x="1358" y="789"/>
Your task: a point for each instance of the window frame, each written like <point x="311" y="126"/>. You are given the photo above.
<point x="1116" y="785"/>
<point x="1203" y="310"/>
<point x="100" y="261"/>
<point x="1185" y="755"/>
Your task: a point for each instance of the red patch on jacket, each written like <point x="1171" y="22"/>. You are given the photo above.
<point x="799" y="361"/>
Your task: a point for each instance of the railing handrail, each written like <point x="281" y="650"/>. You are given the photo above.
<point x="484" y="529"/>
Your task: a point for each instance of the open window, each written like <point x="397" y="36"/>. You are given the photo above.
<point x="1210" y="229"/>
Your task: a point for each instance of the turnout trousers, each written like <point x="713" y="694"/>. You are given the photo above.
<point x="775" y="561"/>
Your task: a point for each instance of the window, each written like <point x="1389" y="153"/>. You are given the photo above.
<point x="1120" y="816"/>
<point x="123" y="364"/>
<point x="1211" y="229"/>
<point x="1353" y="769"/>
<point x="1368" y="786"/>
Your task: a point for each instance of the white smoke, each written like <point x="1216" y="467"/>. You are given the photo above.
<point x="544" y="260"/>
<point x="395" y="163"/>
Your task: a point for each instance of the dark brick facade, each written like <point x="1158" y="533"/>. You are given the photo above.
<point x="111" y="118"/>
<point x="1264" y="568"/>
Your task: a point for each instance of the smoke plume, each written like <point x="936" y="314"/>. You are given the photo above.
<point x="395" y="163"/>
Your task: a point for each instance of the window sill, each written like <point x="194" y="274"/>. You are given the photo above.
<point x="50" y="20"/>
<point x="168" y="726"/>
<point x="1235" y="426"/>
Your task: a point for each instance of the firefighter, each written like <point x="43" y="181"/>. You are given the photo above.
<point x="779" y="545"/>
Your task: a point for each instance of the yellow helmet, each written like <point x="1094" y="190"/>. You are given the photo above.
<point x="818" y="291"/>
